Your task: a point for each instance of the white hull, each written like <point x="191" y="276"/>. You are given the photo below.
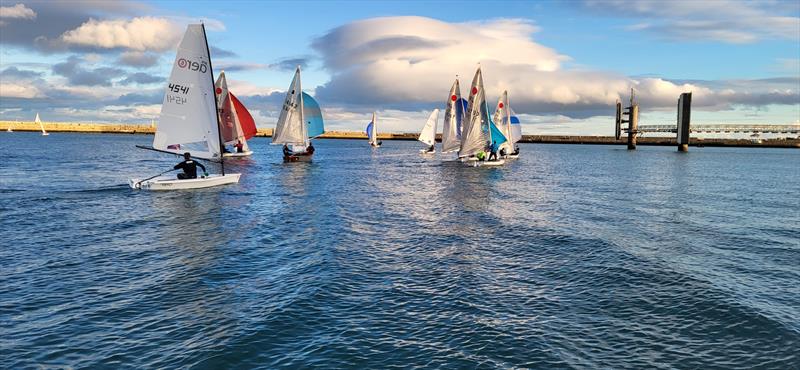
<point x="423" y="151"/>
<point x="468" y="159"/>
<point x="237" y="154"/>
<point x="45" y="134"/>
<point x="170" y="182"/>
<point x="498" y="162"/>
<point x="512" y="156"/>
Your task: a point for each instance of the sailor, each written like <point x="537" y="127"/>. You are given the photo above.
<point x="503" y="152"/>
<point x="286" y="151"/>
<point x="431" y="149"/>
<point x="189" y="168"/>
<point x="516" y="150"/>
<point x="239" y="146"/>
<point x="380" y="142"/>
<point x="493" y="151"/>
<point x="310" y="149"/>
<point x="481" y="155"/>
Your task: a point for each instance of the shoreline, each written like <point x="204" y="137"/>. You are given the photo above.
<point x="80" y="127"/>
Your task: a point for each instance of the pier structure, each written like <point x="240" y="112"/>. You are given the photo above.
<point x="632" y="113"/>
<point x="684" y="121"/>
<point x="683" y="128"/>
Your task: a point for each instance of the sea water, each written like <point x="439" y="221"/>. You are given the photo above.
<point x="572" y="256"/>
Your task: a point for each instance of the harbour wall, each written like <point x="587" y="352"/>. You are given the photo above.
<point x="84" y="127"/>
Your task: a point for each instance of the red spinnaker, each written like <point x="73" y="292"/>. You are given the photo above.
<point x="245" y="119"/>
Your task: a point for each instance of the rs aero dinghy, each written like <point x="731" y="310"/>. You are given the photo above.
<point x="189" y="121"/>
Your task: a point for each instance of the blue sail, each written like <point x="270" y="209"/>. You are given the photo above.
<point x="369" y="130"/>
<point x="313" y="116"/>
<point x="461" y="110"/>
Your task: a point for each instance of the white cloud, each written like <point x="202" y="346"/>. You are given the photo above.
<point x="140" y="34"/>
<point x="24" y="91"/>
<point x="409" y="63"/>
<point x="729" y="21"/>
<point x="112" y="113"/>
<point x="19" y="11"/>
<point x="243" y="88"/>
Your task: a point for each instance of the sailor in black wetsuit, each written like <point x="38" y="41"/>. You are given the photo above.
<point x="189" y="168"/>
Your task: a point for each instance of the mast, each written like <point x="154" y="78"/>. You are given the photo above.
<point x="304" y="127"/>
<point x="216" y="107"/>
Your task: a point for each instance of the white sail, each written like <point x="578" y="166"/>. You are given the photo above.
<point x="41" y="124"/>
<point x="290" y="128"/>
<point x="428" y="134"/>
<point x="502" y="119"/>
<point x="230" y="127"/>
<point x="451" y="137"/>
<point x="516" y="127"/>
<point x="373" y="131"/>
<point x="476" y="123"/>
<point x="188" y="120"/>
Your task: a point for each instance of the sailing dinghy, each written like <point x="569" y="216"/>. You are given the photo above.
<point x="41" y="125"/>
<point x="236" y="124"/>
<point x="299" y="122"/>
<point x="508" y="123"/>
<point x="479" y="133"/>
<point x="372" y="132"/>
<point x="428" y="134"/>
<point x="189" y="121"/>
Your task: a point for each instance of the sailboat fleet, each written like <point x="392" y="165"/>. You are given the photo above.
<point x="200" y="117"/>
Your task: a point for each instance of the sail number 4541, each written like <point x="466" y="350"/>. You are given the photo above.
<point x="179" y="89"/>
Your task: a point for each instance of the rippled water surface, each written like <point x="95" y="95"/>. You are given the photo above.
<point x="570" y="257"/>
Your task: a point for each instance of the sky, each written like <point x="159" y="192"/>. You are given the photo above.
<point x="563" y="63"/>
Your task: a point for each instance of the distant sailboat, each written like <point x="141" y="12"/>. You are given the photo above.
<point x="479" y="133"/>
<point x="516" y="133"/>
<point x="428" y="134"/>
<point x="236" y="124"/>
<point x="372" y="132"/>
<point x="9" y="128"/>
<point x="41" y="125"/>
<point x="189" y="121"/>
<point x="451" y="127"/>
<point x="502" y="118"/>
<point x="299" y="122"/>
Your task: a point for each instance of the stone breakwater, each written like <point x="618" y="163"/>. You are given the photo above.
<point x="84" y="127"/>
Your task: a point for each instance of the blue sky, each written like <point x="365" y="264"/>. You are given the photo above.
<point x="563" y="63"/>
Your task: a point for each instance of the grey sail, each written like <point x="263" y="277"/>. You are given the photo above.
<point x="451" y="138"/>
<point x="476" y="122"/>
